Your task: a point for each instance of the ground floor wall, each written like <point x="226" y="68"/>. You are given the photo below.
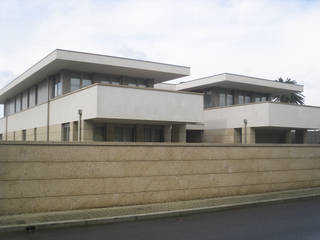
<point x="90" y="130"/>
<point x="38" y="177"/>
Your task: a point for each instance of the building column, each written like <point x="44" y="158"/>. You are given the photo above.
<point x="167" y="132"/>
<point x="248" y="135"/>
<point x="179" y="133"/>
<point x="87" y="131"/>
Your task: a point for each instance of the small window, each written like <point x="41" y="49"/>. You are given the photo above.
<point x="35" y="134"/>
<point x="24" y="135"/>
<point x="66" y="132"/>
<point x="222" y="99"/>
<point x="105" y="81"/>
<point x="75" y="84"/>
<point x="86" y="82"/>
<point x="57" y="87"/>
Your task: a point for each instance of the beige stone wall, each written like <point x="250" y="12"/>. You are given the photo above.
<point x="38" y="177"/>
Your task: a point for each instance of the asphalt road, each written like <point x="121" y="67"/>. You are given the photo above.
<point x="291" y="220"/>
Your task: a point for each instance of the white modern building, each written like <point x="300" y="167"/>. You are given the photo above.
<point x="75" y="96"/>
<point x="239" y="109"/>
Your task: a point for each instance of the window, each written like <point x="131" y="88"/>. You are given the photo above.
<point x="247" y="99"/>
<point x="35" y="134"/>
<point x="125" y="134"/>
<point x="208" y="99"/>
<point x="75" y="84"/>
<point x="153" y="134"/>
<point x="99" y="133"/>
<point x="57" y="87"/>
<point x="115" y="82"/>
<point x="257" y="99"/>
<point x="229" y="99"/>
<point x="66" y="132"/>
<point x="86" y="82"/>
<point x="241" y="100"/>
<point x="1" y="137"/>
<point x="105" y="81"/>
<point x="142" y="83"/>
<point x="263" y="99"/>
<point x="24" y="135"/>
<point x="222" y="99"/>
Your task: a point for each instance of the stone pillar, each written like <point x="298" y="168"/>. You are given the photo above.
<point x="73" y="131"/>
<point x="250" y="135"/>
<point x="139" y="133"/>
<point x="87" y="131"/>
<point x="301" y="136"/>
<point x="167" y="133"/>
<point x="179" y="133"/>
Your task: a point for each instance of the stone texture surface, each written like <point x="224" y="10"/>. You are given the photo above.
<point x="41" y="177"/>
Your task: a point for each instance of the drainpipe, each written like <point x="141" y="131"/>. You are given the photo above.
<point x="245" y="130"/>
<point x="6" y="127"/>
<point x="48" y="110"/>
<point x="79" y="125"/>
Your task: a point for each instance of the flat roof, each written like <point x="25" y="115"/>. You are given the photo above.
<point x="88" y="62"/>
<point x="241" y="82"/>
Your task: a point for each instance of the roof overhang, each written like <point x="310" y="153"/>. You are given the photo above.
<point x="234" y="81"/>
<point x="87" y="62"/>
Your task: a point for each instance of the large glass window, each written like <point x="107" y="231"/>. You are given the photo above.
<point x="153" y="134"/>
<point x="142" y="83"/>
<point x="75" y="84"/>
<point x="66" y="132"/>
<point x="222" y="99"/>
<point x="257" y="99"/>
<point x="99" y="133"/>
<point x="125" y="134"/>
<point x="263" y="99"/>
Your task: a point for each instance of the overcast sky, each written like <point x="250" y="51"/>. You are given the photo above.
<point x="262" y="38"/>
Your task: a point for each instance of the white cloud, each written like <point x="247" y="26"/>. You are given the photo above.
<point x="264" y="38"/>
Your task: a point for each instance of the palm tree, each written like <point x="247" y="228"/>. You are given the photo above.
<point x="294" y="98"/>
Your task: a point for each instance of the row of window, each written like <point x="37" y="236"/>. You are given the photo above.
<point x="124" y="133"/>
<point x="219" y="97"/>
<point x="72" y="82"/>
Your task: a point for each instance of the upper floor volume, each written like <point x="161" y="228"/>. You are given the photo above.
<point x="63" y="71"/>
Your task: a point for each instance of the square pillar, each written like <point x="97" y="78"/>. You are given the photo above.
<point x="167" y="133"/>
<point x="87" y="131"/>
<point x="250" y="135"/>
<point x="179" y="133"/>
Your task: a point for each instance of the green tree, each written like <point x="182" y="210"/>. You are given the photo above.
<point x="294" y="97"/>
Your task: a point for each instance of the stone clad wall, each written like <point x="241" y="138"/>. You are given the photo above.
<point x="38" y="177"/>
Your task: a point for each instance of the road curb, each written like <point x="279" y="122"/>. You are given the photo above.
<point x="146" y="216"/>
